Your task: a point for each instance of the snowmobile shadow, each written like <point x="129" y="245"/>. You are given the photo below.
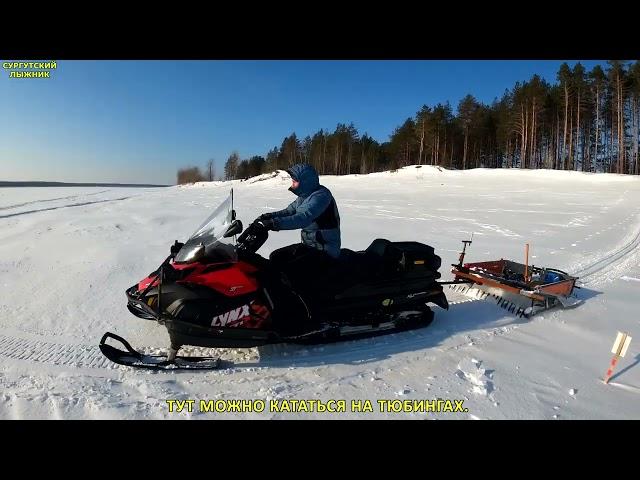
<point x="450" y="330"/>
<point x="629" y="367"/>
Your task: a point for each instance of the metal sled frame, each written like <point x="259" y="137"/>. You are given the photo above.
<point x="492" y="277"/>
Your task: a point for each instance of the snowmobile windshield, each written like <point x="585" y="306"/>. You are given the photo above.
<point x="208" y="240"/>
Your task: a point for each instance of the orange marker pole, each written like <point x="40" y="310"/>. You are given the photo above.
<point x="619" y="350"/>
<point x="614" y="360"/>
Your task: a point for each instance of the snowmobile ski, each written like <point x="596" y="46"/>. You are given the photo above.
<point x="133" y="358"/>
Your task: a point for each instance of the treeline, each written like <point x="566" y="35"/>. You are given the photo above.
<point x="194" y="174"/>
<point x="234" y="168"/>
<point x="585" y="120"/>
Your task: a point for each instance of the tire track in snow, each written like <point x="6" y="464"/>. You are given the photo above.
<point x="53" y="353"/>
<point x="9" y="207"/>
<point x="63" y="206"/>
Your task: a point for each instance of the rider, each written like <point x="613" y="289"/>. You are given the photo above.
<point x="316" y="213"/>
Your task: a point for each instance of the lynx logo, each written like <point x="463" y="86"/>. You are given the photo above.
<point x="231" y="317"/>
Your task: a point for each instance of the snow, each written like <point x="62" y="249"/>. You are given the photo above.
<point x="68" y="253"/>
<point x="629" y="279"/>
<point x="471" y="371"/>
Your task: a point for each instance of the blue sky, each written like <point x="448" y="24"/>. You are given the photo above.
<point x="139" y="121"/>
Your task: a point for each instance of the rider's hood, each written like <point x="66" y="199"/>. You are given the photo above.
<point x="307" y="176"/>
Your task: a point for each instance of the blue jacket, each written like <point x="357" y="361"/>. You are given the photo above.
<point x="314" y="211"/>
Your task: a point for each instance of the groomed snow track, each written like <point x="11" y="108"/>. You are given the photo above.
<point x="587" y="273"/>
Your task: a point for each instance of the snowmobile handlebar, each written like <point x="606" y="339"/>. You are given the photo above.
<point x="253" y="237"/>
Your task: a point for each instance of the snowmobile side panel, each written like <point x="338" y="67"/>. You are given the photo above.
<point x="391" y="287"/>
<point x="182" y="333"/>
<point x="398" y="322"/>
<point x="233" y="281"/>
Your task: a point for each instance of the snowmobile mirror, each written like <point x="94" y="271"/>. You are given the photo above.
<point x="234" y="229"/>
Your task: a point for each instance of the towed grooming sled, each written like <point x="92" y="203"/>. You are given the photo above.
<point x="518" y="288"/>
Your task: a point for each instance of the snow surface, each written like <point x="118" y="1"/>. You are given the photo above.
<point x="68" y="254"/>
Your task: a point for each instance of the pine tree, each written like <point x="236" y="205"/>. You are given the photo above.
<point x="598" y="79"/>
<point x="467" y="110"/>
<point x="231" y="166"/>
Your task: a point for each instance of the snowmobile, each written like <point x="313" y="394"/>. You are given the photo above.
<point x="216" y="291"/>
<point x="518" y="288"/>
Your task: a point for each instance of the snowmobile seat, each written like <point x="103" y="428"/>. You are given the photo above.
<point x="417" y="255"/>
<point x="383" y="259"/>
<point x="402" y="258"/>
<point x="379" y="246"/>
<point x="386" y="252"/>
<point x="386" y="255"/>
<point x="353" y="267"/>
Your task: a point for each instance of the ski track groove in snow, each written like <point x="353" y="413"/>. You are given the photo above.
<point x="10" y="207"/>
<point x="19" y="214"/>
<point x="609" y="259"/>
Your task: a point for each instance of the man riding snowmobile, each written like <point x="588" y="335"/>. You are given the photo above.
<point x="316" y="213"/>
<point x="216" y="291"/>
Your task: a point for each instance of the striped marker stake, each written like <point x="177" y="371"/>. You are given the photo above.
<point x="620" y="347"/>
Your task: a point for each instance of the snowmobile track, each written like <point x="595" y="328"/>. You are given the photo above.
<point x="82" y="204"/>
<point x="53" y="353"/>
<point x="609" y="259"/>
<point x="17" y="205"/>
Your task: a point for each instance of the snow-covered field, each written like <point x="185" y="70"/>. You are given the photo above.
<point x="68" y="254"/>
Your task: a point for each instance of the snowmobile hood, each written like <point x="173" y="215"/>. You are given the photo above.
<point x="308" y="178"/>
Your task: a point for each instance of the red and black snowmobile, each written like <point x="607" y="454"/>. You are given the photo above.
<point x="216" y="292"/>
